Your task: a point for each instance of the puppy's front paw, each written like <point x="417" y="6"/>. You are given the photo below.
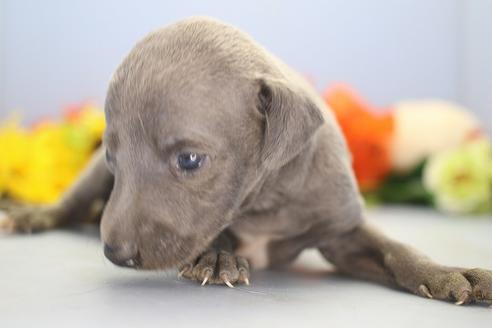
<point x="217" y="267"/>
<point x="29" y="219"/>
<point x="460" y="286"/>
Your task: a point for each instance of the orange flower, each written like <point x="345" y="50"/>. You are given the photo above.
<point x="368" y="133"/>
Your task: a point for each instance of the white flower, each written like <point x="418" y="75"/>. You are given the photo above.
<point x="423" y="128"/>
<point x="460" y="179"/>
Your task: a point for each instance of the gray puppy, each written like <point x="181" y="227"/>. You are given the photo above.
<point x="217" y="156"/>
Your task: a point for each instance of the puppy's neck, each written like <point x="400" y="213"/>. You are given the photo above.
<point x="273" y="187"/>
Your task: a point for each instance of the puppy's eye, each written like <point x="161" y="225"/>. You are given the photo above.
<point x="190" y="161"/>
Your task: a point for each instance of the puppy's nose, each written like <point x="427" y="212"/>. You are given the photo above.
<point x="124" y="256"/>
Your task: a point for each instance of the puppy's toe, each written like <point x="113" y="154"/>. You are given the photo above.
<point x="451" y="286"/>
<point x="6" y="223"/>
<point x="204" y="269"/>
<point x="243" y="268"/>
<point x="458" y="285"/>
<point x="481" y="281"/>
<point x="217" y="267"/>
<point x="227" y="271"/>
<point x="28" y="219"/>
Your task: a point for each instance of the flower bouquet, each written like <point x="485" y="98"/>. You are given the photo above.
<point x="424" y="152"/>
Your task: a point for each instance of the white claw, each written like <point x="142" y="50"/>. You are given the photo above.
<point x="246" y="281"/>
<point x="462" y="299"/>
<point x="228" y="283"/>
<point x="205" y="280"/>
<point x="423" y="289"/>
<point x="181" y="273"/>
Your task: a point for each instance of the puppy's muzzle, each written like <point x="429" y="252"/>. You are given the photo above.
<point x="124" y="256"/>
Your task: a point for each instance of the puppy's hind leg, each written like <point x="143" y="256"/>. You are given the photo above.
<point x="366" y="253"/>
<point x="83" y="201"/>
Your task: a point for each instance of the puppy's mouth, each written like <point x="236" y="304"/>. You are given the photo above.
<point x="131" y="263"/>
<point x="151" y="258"/>
<point x="123" y="257"/>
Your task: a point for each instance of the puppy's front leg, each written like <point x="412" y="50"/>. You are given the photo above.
<point x="83" y="201"/>
<point x="218" y="264"/>
<point x="366" y="253"/>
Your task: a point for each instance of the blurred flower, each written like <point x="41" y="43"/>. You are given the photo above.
<point x="14" y="147"/>
<point x="89" y="116"/>
<point x="461" y="179"/>
<point x="37" y="165"/>
<point x="368" y="133"/>
<point x="424" y="128"/>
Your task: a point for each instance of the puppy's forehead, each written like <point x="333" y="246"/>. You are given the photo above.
<point x="190" y="76"/>
<point x="174" y="109"/>
<point x="199" y="103"/>
<point x="197" y="64"/>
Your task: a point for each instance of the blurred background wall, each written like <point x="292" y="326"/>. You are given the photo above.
<point x="55" y="52"/>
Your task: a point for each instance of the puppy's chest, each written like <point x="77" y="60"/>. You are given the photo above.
<point x="256" y="232"/>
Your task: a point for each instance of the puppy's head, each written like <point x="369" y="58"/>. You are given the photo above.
<point x="188" y="134"/>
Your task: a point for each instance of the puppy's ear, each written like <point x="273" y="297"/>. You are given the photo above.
<point x="291" y="119"/>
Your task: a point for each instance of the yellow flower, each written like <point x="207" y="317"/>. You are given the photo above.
<point x="92" y="118"/>
<point x="14" y="153"/>
<point x="461" y="179"/>
<point x="37" y="166"/>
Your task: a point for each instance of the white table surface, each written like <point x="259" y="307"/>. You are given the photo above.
<point x="61" y="279"/>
